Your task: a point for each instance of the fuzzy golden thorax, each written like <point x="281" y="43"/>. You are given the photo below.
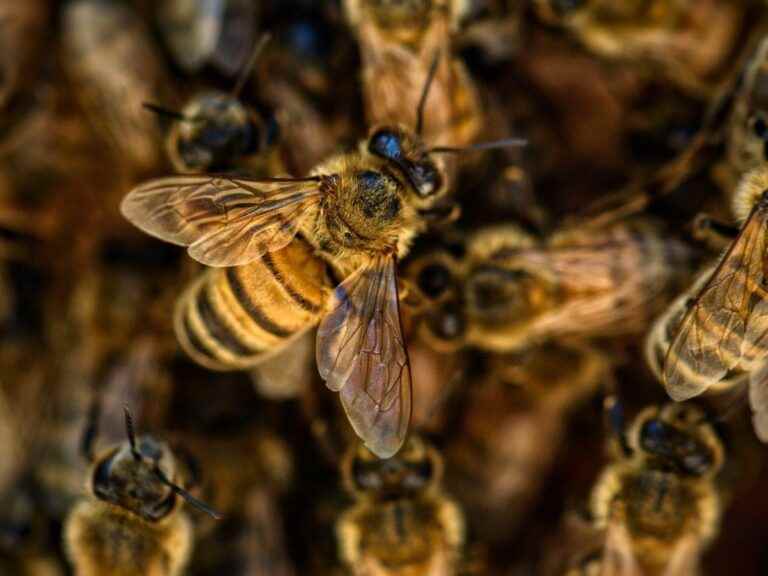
<point x="750" y="192"/>
<point x="132" y="481"/>
<point x="373" y="199"/>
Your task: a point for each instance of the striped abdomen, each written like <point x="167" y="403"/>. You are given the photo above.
<point x="233" y="318"/>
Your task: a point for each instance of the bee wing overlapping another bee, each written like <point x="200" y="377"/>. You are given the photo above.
<point x="361" y="353"/>
<point x="726" y="328"/>
<point x="223" y="221"/>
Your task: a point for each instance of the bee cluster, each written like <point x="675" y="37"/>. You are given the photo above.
<point x="383" y="287"/>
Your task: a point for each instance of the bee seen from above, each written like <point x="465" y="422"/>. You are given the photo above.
<point x="131" y="522"/>
<point x="659" y="502"/>
<point x="401" y="522"/>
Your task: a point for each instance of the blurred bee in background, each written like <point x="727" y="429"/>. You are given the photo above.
<point x="201" y="32"/>
<point x="514" y="291"/>
<point x="114" y="66"/>
<point x="131" y="522"/>
<point x="401" y="522"/>
<point x="216" y="131"/>
<point x="496" y="467"/>
<point x="691" y="42"/>
<point x="720" y="339"/>
<point x="398" y="43"/>
<point x="659" y="502"/>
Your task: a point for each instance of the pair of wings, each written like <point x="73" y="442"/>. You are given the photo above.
<point x="725" y="330"/>
<point x="233" y="221"/>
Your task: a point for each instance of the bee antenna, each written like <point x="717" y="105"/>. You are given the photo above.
<point x="91" y="430"/>
<point x="493" y="145"/>
<point x="425" y="92"/>
<point x="188" y="498"/>
<point x="130" y="433"/>
<point x="164" y="112"/>
<point x="248" y="68"/>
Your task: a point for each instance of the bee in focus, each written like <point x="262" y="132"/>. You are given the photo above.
<point x="398" y="43"/>
<point x="216" y="131"/>
<point x="510" y="291"/>
<point x="721" y="338"/>
<point x="659" y="502"/>
<point x="277" y="243"/>
<point x="199" y="33"/>
<point x="401" y="523"/>
<point x="131" y="522"/>
<point x="691" y="42"/>
<point x="114" y="66"/>
<point x="513" y="423"/>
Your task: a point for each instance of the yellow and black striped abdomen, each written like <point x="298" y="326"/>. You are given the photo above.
<point x="233" y="318"/>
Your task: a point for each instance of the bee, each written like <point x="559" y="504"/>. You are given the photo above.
<point x="496" y="464"/>
<point x="215" y="131"/>
<point x="131" y="522"/>
<point x="659" y="502"/>
<point x="398" y="42"/>
<point x="510" y="291"/>
<point x="114" y="66"/>
<point x="720" y="338"/>
<point x="401" y="522"/>
<point x="275" y="244"/>
<point x="674" y="36"/>
<point x="216" y="32"/>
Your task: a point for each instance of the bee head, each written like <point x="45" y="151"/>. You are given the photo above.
<point x="404" y="152"/>
<point x="129" y="476"/>
<point x="413" y="469"/>
<point x="215" y="128"/>
<point x="678" y="436"/>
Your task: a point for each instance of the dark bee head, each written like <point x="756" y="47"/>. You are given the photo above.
<point x="678" y="436"/>
<point x="215" y="130"/>
<point x="405" y="153"/>
<point x="416" y="467"/>
<point x="501" y="295"/>
<point x="129" y="478"/>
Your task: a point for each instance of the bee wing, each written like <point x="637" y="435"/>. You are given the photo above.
<point x="361" y="353"/>
<point x="726" y="325"/>
<point x="618" y="556"/>
<point x="224" y="221"/>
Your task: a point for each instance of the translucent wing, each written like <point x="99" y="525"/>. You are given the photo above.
<point x="723" y="329"/>
<point x="224" y="221"/>
<point x="361" y="354"/>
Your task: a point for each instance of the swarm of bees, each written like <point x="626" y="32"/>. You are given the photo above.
<point x="383" y="287"/>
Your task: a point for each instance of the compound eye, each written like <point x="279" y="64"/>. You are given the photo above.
<point x="759" y="127"/>
<point x="426" y="179"/>
<point x="434" y="280"/>
<point x="386" y="144"/>
<point x="653" y="435"/>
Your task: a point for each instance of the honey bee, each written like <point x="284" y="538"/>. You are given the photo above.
<point x="131" y="523"/>
<point x="398" y="43"/>
<point x="496" y="465"/>
<point x="275" y="243"/>
<point x="211" y="31"/>
<point x="215" y="131"/>
<point x="510" y="290"/>
<point x="114" y="67"/>
<point x="720" y="338"/>
<point x="659" y="503"/>
<point x="401" y="522"/>
<point x="689" y="41"/>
